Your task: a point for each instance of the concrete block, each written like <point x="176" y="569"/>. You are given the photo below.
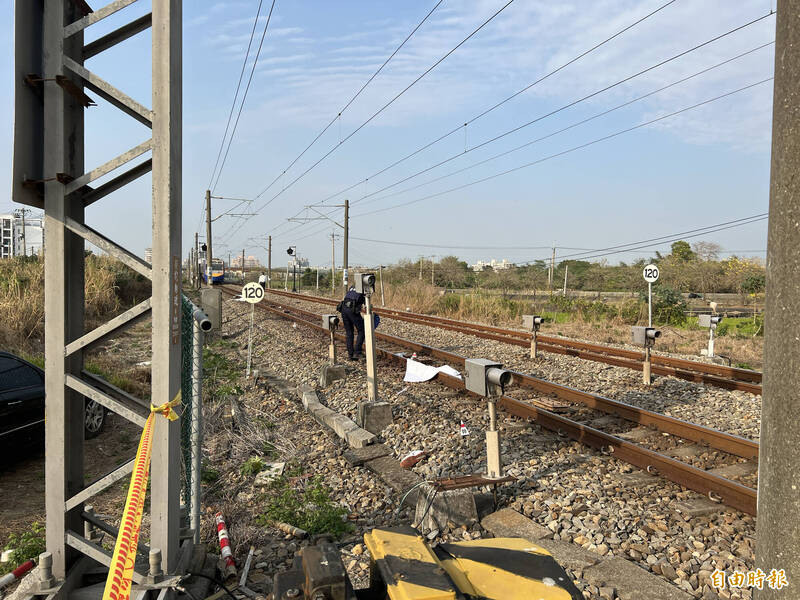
<point x="359" y="438"/>
<point x="395" y="476"/>
<point x="637" y="479"/>
<point x="740" y="469"/>
<point x="322" y="414"/>
<point x="569" y="555"/>
<point x="697" y="507"/>
<point x="330" y="373"/>
<point x="358" y="456"/>
<point x="374" y="416"/>
<point x="632" y="582"/>
<point x="507" y="522"/>
<point x="309" y="397"/>
<point x="341" y="425"/>
<point x="436" y="510"/>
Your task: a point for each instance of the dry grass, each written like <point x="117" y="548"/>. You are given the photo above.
<point x="418" y="296"/>
<point x="110" y="287"/>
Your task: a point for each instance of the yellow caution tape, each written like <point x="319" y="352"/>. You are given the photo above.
<point x="120" y="573"/>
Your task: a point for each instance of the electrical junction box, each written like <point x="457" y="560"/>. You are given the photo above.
<point x="710" y="321"/>
<point x="486" y="378"/>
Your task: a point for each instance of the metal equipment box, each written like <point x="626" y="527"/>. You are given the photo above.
<point x="364" y="283"/>
<point x="532" y="322"/>
<point x="477" y="377"/>
<point x="330" y="322"/>
<point x="644" y="336"/>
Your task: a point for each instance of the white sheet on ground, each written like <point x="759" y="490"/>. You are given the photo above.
<point x="417" y="372"/>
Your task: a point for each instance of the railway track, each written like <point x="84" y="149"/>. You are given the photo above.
<point x="730" y="378"/>
<point x="654" y="443"/>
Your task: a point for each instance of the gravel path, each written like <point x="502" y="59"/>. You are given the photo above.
<point x="582" y="496"/>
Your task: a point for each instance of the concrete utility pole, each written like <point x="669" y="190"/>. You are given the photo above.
<point x="269" y="261"/>
<point x="420" y="268"/>
<point x="333" y="264"/>
<point x="345" y="264"/>
<point x="196" y="264"/>
<point x="383" y="297"/>
<point x="566" y="270"/>
<point x="22" y="212"/>
<point x="209" y="253"/>
<point x="778" y="523"/>
<point x="432" y="267"/>
<point x="243" y="265"/>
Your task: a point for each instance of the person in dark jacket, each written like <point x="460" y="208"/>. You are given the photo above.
<point x="352" y="319"/>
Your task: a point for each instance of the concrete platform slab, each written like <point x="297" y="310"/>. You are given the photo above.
<point x="569" y="555"/>
<point x="632" y="582"/>
<point x="507" y="522"/>
<point x="395" y="476"/>
<point x="358" y="456"/>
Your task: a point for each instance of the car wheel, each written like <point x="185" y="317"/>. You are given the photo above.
<point x="94" y="419"/>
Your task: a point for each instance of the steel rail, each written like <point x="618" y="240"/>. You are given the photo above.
<point x="729" y="378"/>
<point x="715" y="487"/>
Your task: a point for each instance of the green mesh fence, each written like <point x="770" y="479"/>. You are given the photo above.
<point x="187" y="322"/>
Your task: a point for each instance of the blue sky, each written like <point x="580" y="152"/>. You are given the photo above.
<point x="705" y="166"/>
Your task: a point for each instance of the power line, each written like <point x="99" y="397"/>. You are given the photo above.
<point x="583" y="99"/>
<point x="568" y="151"/>
<point x="244" y="95"/>
<point x="444" y="247"/>
<point x="502" y="102"/>
<point x="236" y="95"/>
<point x="356" y="95"/>
<point x="678" y="237"/>
<point x="385" y="106"/>
<point x="487" y="111"/>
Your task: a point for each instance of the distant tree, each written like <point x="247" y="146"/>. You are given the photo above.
<point x="754" y="283"/>
<point x="682" y="251"/>
<point x="452" y="272"/>
<point x="707" y="250"/>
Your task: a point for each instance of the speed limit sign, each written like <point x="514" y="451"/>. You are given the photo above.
<point x="253" y="292"/>
<point x="650" y="273"/>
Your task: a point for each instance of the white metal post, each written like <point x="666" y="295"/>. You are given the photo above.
<point x="369" y="341"/>
<point x="649" y="304"/>
<point x="711" y="341"/>
<point x="250" y="339"/>
<point x="383" y="297"/>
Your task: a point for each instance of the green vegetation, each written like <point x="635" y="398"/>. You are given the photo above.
<point x="308" y="506"/>
<point x="219" y="372"/>
<point x="252" y="466"/>
<point x="25" y="546"/>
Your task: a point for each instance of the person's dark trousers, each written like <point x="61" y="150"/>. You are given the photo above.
<point x="353" y="321"/>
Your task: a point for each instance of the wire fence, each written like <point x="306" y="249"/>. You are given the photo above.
<point x="187" y="336"/>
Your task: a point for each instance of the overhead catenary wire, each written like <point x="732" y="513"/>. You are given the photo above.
<point x="492" y="108"/>
<point x="236" y="94"/>
<point x="485" y="112"/>
<point x="353" y="98"/>
<point x="567" y="151"/>
<point x="583" y="99"/>
<point x="244" y="95"/>
<point x="388" y="104"/>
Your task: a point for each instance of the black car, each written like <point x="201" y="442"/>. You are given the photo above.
<point x="22" y="404"/>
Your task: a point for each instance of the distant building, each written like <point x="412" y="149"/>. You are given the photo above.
<point x="495" y="265"/>
<point x="16" y="242"/>
<point x="250" y="262"/>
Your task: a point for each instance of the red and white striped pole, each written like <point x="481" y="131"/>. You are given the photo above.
<point x="225" y="546"/>
<point x="7" y="580"/>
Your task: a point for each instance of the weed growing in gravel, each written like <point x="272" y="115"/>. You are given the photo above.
<point x="219" y="371"/>
<point x="252" y="466"/>
<point x="310" y="507"/>
<point x="25" y="546"/>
